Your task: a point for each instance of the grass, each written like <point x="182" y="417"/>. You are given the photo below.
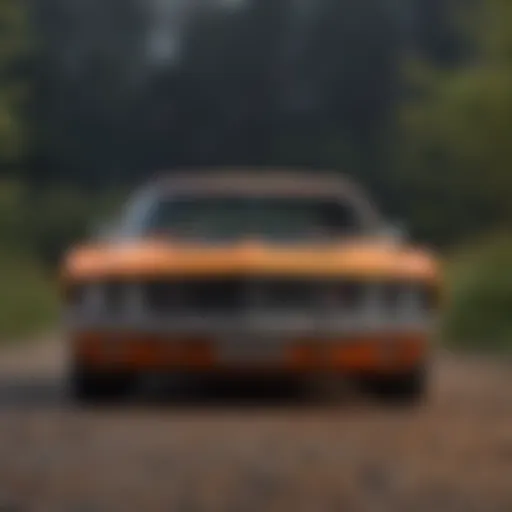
<point x="478" y="311"/>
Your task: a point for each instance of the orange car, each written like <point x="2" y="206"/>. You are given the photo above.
<point x="258" y="273"/>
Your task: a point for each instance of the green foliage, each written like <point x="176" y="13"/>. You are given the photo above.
<point x="35" y="230"/>
<point x="56" y="219"/>
<point x="28" y="297"/>
<point x="13" y="49"/>
<point x="457" y="128"/>
<point x="479" y="298"/>
<point x="45" y="223"/>
<point x="12" y="199"/>
<point x="125" y="88"/>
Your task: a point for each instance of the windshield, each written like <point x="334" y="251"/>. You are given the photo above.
<point x="228" y="218"/>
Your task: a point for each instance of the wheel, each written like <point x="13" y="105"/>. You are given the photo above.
<point x="406" y="388"/>
<point x="89" y="386"/>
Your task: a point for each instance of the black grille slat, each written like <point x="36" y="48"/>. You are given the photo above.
<point x="212" y="297"/>
<point x="297" y="295"/>
<point x="351" y="295"/>
<point x="198" y="297"/>
<point x="391" y="297"/>
<point x="113" y="296"/>
<point x="230" y="296"/>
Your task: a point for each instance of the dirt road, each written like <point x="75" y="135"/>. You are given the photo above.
<point x="292" y="454"/>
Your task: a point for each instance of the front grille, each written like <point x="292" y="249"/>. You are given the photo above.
<point x="267" y="299"/>
<point x="114" y="293"/>
<point x="392" y="294"/>
<point x="350" y="296"/>
<point x="203" y="297"/>
<point x="297" y="295"/>
<point x="429" y="298"/>
<point x="230" y="295"/>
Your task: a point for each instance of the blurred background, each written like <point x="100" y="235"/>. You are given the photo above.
<point x="412" y="98"/>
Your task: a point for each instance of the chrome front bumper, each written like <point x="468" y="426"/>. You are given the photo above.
<point x="286" y="325"/>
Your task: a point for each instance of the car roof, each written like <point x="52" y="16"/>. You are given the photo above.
<point x="281" y="182"/>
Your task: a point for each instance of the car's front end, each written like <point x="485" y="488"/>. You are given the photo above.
<point x="362" y="307"/>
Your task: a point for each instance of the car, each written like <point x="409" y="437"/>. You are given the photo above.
<point x="250" y="272"/>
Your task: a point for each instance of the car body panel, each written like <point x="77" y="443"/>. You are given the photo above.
<point x="363" y="259"/>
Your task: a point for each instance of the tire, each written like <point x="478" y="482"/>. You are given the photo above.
<point x="405" y="389"/>
<point x="88" y="386"/>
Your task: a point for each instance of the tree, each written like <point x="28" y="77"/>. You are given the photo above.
<point x="123" y="87"/>
<point x="457" y="133"/>
<point x="13" y="50"/>
<point x="89" y="71"/>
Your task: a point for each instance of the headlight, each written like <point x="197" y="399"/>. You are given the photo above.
<point x="110" y="300"/>
<point x="417" y="303"/>
<point x="401" y="303"/>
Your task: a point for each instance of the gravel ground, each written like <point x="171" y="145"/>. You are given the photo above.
<point x="262" y="453"/>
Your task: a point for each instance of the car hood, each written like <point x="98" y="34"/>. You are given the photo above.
<point x="145" y="259"/>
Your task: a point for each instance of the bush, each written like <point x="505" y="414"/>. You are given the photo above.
<point x="28" y="297"/>
<point x="479" y="295"/>
<point x="60" y="217"/>
<point x="12" y="213"/>
<point x="44" y="223"/>
<point x="36" y="227"/>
